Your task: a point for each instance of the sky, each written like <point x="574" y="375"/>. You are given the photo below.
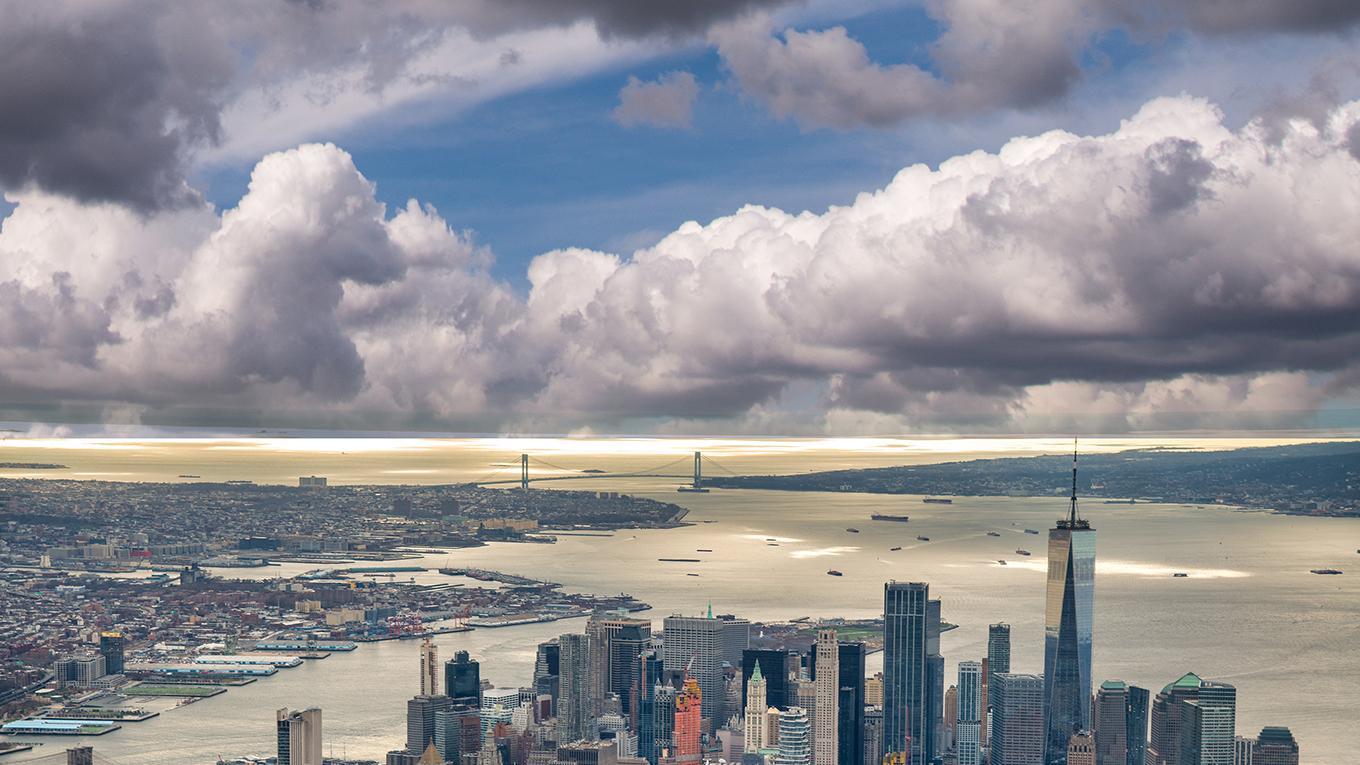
<point x="866" y="217"/>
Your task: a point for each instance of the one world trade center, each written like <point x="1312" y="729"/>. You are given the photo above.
<point x="1067" y="629"/>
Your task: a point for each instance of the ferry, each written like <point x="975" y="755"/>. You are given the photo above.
<point x="1022" y="552"/>
<point x="894" y="549"/>
<point x="1180" y="575"/>
<point x="1327" y="571"/>
<point x="1031" y="531"/>
<point x="886" y="517"/>
<point x="993" y="533"/>
<point x="938" y="501"/>
<point x="923" y="538"/>
<point x="834" y="572"/>
<point x="853" y="531"/>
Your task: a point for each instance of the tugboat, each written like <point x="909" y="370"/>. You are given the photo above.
<point x="1031" y="531"/>
<point x="834" y="572"/>
<point x="993" y="533"/>
<point x="853" y="531"/>
<point x="894" y="549"/>
<point x="923" y="538"/>
<point x="1022" y="552"/>
<point x="1180" y="575"/>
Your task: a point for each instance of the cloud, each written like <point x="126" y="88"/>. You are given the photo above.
<point x="1172" y="273"/>
<point x="666" y="102"/>
<point x="991" y="55"/>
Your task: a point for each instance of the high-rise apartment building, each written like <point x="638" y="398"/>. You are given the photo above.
<point x="111" y="647"/>
<point x="826" y="724"/>
<point x="429" y="668"/>
<point x="299" y="736"/>
<point x="971" y="714"/>
<point x="575" y="721"/>
<point x="1275" y="746"/>
<point x="1068" y="611"/>
<point x="795" y="738"/>
<point x="911" y="691"/>
<point x="698" y="642"/>
<point x="1208" y="725"/>
<point x="1018" y="720"/>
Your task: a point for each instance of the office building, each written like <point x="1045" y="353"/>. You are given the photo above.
<point x="644" y="713"/>
<point x="111" y="646"/>
<point x="951" y="716"/>
<point x="795" y="738"/>
<point x="463" y="677"/>
<point x="587" y="753"/>
<point x="498" y="706"/>
<point x="753" y="725"/>
<point x="774" y="667"/>
<point x="1244" y="750"/>
<point x="686" y="737"/>
<point x="827" y="686"/>
<point x="429" y="668"/>
<point x="1112" y="724"/>
<point x="1081" y="750"/>
<point x="80" y="755"/>
<point x="912" y="676"/>
<point x="998" y="649"/>
<point x="1018" y="720"/>
<point x="1068" y="611"/>
<point x="420" y="721"/>
<point x="627" y="642"/>
<point x="299" y="736"/>
<point x="970" y="714"/>
<point x="1164" y="742"/>
<point x="1136" y="724"/>
<point x="873" y="736"/>
<point x="1275" y="746"/>
<point x="575" y="721"/>
<point x="457" y="731"/>
<point x="873" y="690"/>
<point x="1208" y="725"/>
<point x="850" y="704"/>
<point x="698" y="642"/>
<point x="663" y="721"/>
<point x="736" y="638"/>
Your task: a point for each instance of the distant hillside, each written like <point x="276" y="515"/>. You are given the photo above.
<point x="1319" y="478"/>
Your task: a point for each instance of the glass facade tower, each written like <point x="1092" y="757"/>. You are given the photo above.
<point x="1067" y="629"/>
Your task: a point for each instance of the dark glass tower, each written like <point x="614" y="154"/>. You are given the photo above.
<point x="463" y="679"/>
<point x="850" y="705"/>
<point x="908" y="672"/>
<point x="774" y="667"/>
<point x="1067" y="629"/>
<point x="998" y="650"/>
<point x="111" y="647"/>
<point x="1136" y="723"/>
<point x="644" y="712"/>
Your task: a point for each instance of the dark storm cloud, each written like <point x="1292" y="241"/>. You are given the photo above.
<point x="629" y="18"/>
<point x="105" y="107"/>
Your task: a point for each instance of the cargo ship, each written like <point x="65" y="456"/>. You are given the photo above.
<point x="834" y="572"/>
<point x="938" y="501"/>
<point x="1327" y="571"/>
<point x="923" y="539"/>
<point x="885" y="517"/>
<point x="680" y="560"/>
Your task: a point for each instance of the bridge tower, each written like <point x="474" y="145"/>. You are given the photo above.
<point x="524" y="471"/>
<point x="698" y="471"/>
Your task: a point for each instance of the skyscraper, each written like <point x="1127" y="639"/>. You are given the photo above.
<point x="1275" y="746"/>
<point x="1244" y="750"/>
<point x="457" y="731"/>
<point x="774" y="667"/>
<point x="873" y="735"/>
<point x="1067" y="628"/>
<point x="1208" y="725"/>
<point x="663" y="719"/>
<point x="850" y="703"/>
<point x="998" y="649"/>
<point x="1136" y="724"/>
<point x="754" y="717"/>
<point x="626" y="644"/>
<point x="429" y="668"/>
<point x="1112" y="724"/>
<point x="908" y="682"/>
<point x="697" y="642"/>
<point x="1081" y="750"/>
<point x="299" y="736"/>
<point x="420" y="721"/>
<point x="685" y="738"/>
<point x="795" y="738"/>
<point x="736" y="638"/>
<point x="968" y="727"/>
<point x="1164" y="741"/>
<point x="825" y="735"/>
<point x="574" y="719"/>
<point x="1018" y="720"/>
<point x="463" y="678"/>
<point x="111" y="646"/>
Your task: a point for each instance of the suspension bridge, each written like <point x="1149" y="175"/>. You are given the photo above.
<point x="81" y="755"/>
<point x="560" y="473"/>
